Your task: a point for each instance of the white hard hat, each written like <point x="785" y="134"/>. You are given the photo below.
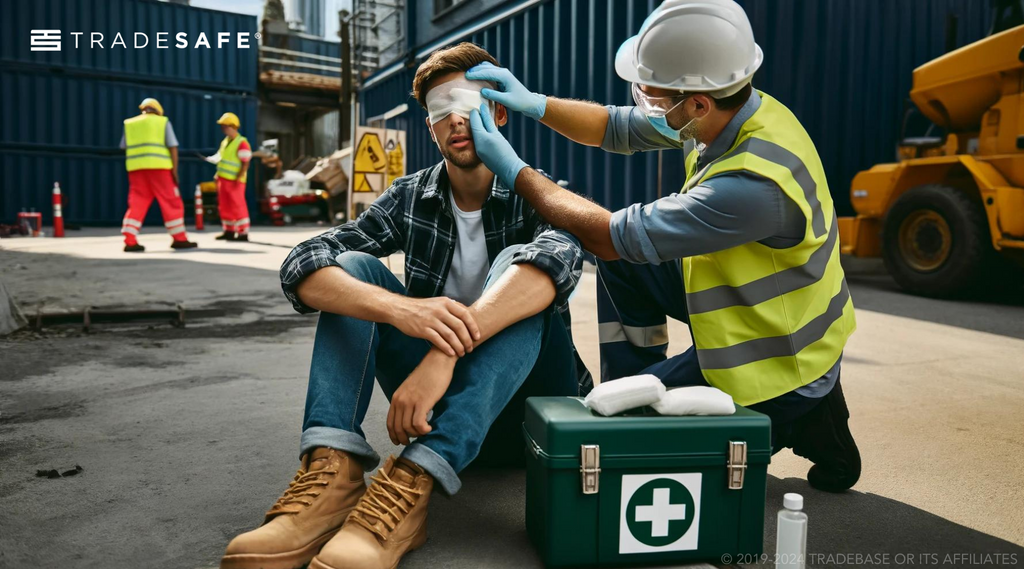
<point x="692" y="46"/>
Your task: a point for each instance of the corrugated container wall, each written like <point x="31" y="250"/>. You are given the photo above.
<point x="83" y="153"/>
<point x="62" y="112"/>
<point x="843" y="66"/>
<point x="227" y="67"/>
<point x="95" y="186"/>
<point x="55" y="112"/>
<point x="325" y="134"/>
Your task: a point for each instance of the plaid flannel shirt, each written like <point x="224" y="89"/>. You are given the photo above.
<point x="414" y="216"/>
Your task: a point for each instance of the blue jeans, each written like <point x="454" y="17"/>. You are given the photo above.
<point x="533" y="355"/>
<point x="633" y="303"/>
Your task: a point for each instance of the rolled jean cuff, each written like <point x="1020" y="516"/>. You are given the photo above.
<point x="342" y="440"/>
<point x="435" y="466"/>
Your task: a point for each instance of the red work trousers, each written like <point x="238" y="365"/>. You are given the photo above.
<point x="234" y="212"/>
<point x="143" y="187"/>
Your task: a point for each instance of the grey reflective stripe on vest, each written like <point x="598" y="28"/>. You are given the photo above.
<point x="156" y="144"/>
<point x="228" y="167"/>
<point x="134" y="156"/>
<point x="769" y="287"/>
<point x="776" y="346"/>
<point x="774" y="153"/>
<point x="642" y="336"/>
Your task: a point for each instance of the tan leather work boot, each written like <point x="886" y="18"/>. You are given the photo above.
<point x="389" y="521"/>
<point x="325" y="489"/>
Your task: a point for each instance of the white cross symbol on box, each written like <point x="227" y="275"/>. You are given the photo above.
<point x="661" y="512"/>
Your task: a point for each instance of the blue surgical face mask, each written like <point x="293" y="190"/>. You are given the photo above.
<point x="661" y="125"/>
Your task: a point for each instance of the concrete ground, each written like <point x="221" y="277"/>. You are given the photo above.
<point x="187" y="435"/>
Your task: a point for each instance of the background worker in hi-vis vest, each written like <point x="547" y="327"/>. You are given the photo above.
<point x="232" y="162"/>
<point x="151" y="157"/>
<point x="746" y="254"/>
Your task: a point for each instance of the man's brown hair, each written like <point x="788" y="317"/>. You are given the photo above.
<point x="460" y="57"/>
<point x="736" y="100"/>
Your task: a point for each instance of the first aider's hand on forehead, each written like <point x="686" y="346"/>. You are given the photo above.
<point x="512" y="93"/>
<point x="492" y="148"/>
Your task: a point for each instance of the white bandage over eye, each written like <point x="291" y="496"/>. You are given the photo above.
<point x="459" y="96"/>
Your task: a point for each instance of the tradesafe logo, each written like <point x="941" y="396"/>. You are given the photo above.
<point x="50" y="40"/>
<point x="660" y="512"/>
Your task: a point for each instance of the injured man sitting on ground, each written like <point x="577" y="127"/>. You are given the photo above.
<point x="480" y="323"/>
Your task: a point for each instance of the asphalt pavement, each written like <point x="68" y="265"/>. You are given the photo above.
<point x="187" y="435"/>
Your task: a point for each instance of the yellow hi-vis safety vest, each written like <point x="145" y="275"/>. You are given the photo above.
<point x="766" y="321"/>
<point x="146" y="143"/>
<point x="229" y="165"/>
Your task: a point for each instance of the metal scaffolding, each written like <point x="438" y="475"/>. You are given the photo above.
<point x="379" y="27"/>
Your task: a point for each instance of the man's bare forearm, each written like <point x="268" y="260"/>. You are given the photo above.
<point x="580" y="121"/>
<point x="564" y="209"/>
<point x="333" y="290"/>
<point x="522" y="291"/>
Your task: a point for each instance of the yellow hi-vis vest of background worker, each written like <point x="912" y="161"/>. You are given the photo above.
<point x="229" y="165"/>
<point x="766" y="321"/>
<point x="146" y="143"/>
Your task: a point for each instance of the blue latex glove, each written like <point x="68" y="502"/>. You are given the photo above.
<point x="512" y="94"/>
<point x="492" y="148"/>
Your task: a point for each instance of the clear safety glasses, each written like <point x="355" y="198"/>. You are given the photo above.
<point x="656" y="106"/>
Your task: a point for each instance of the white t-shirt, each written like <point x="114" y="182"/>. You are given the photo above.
<point x="470" y="264"/>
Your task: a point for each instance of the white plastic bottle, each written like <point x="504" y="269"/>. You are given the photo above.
<point x="791" y="536"/>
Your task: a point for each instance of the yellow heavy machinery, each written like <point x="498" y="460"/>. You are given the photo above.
<point x="953" y="206"/>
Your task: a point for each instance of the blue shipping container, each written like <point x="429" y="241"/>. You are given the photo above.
<point x="95" y="187"/>
<point x="226" y="67"/>
<point x="53" y="112"/>
<point x="843" y="66"/>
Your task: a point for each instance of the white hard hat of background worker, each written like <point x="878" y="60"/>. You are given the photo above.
<point x="152" y="104"/>
<point x="687" y="47"/>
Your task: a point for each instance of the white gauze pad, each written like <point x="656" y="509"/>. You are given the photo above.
<point x="616" y="396"/>
<point x="459" y="96"/>
<point x="695" y="400"/>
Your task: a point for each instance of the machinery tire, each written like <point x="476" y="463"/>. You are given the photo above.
<point x="936" y="241"/>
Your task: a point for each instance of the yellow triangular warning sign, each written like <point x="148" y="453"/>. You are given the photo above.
<point x="396" y="162"/>
<point x="361" y="184"/>
<point x="370" y="154"/>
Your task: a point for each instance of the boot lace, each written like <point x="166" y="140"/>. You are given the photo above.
<point x="300" y="490"/>
<point x="387" y="501"/>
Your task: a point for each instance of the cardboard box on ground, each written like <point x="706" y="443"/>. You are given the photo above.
<point x="328" y="171"/>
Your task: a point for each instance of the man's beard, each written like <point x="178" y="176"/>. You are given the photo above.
<point x="690" y="130"/>
<point x="465" y="159"/>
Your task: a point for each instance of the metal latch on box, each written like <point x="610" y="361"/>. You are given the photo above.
<point x="737" y="465"/>
<point x="590" y="468"/>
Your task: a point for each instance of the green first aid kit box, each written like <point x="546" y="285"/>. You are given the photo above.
<point x="641" y="488"/>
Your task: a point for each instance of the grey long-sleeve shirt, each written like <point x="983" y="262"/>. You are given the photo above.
<point x="725" y="211"/>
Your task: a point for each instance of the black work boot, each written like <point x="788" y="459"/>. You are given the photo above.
<point x="823" y="436"/>
<point x="136" y="248"/>
<point x="226" y="236"/>
<point x="183" y="245"/>
<point x="239" y="237"/>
